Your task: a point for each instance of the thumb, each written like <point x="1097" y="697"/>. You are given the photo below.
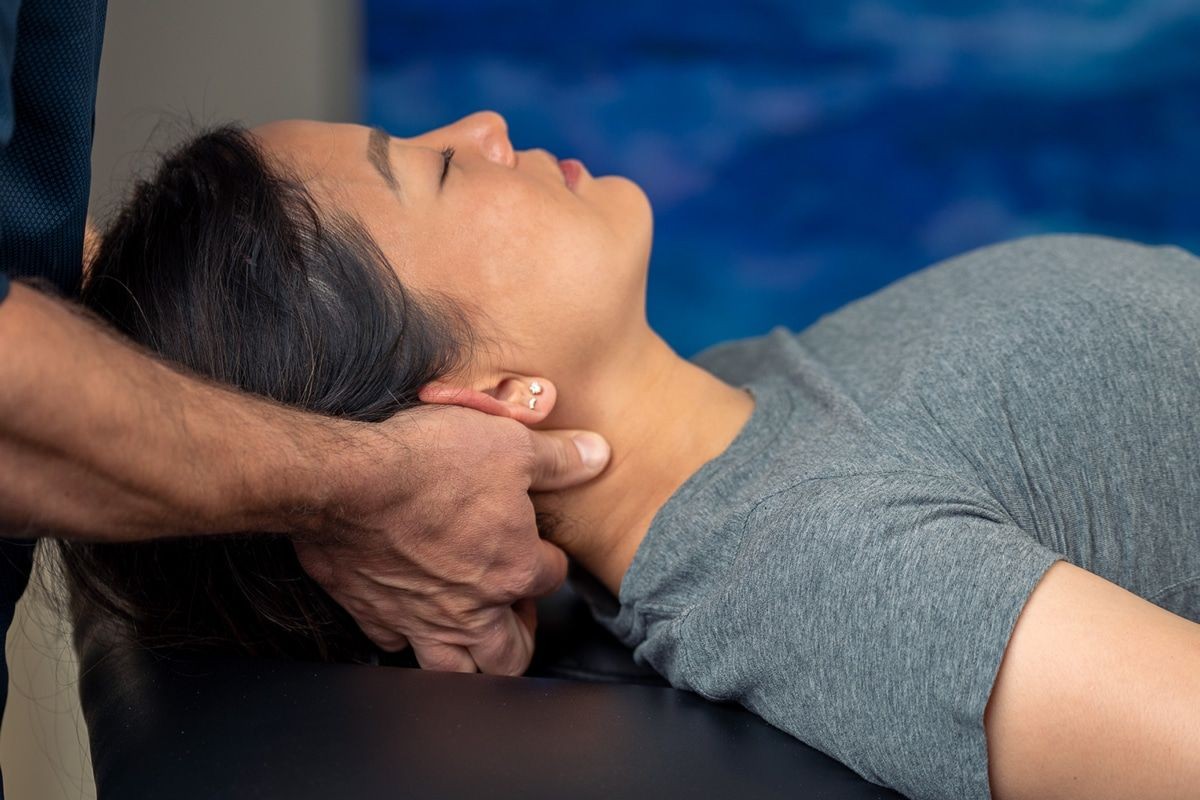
<point x="551" y="570"/>
<point x="566" y="458"/>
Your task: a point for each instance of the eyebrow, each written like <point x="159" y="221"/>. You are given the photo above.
<point x="378" y="155"/>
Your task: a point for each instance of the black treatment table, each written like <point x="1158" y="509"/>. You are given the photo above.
<point x="586" y="722"/>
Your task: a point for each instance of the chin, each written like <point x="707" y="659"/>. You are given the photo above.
<point x="635" y="214"/>
<point x="630" y="192"/>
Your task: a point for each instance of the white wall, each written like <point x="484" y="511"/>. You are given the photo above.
<point x="217" y="61"/>
<point x="209" y="61"/>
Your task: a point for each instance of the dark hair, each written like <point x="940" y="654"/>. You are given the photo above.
<point x="222" y="263"/>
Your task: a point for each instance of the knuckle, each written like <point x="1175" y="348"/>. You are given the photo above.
<point x="478" y="624"/>
<point x="455" y="613"/>
<point x="500" y="435"/>
<point x="518" y="447"/>
<point x="507" y="656"/>
<point x="515" y="434"/>
<point x="392" y="644"/>
<point x="521" y="582"/>
<point x="384" y="639"/>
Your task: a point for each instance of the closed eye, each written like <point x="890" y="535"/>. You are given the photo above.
<point x="447" y="157"/>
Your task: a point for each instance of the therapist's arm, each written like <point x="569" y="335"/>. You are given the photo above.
<point x="101" y="441"/>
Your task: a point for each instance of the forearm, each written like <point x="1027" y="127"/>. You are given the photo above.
<point x="100" y="440"/>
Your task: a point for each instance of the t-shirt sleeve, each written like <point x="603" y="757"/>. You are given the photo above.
<point x="867" y="616"/>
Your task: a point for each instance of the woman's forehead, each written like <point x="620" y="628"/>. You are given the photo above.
<point x="300" y="133"/>
<point x="320" y="151"/>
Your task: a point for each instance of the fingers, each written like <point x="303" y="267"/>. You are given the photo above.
<point x="526" y="611"/>
<point x="315" y="562"/>
<point x="441" y="657"/>
<point x="506" y="648"/>
<point x="566" y="458"/>
<point x="385" y="640"/>
<point x="551" y="569"/>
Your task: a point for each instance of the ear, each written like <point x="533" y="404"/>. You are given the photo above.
<point x="508" y="397"/>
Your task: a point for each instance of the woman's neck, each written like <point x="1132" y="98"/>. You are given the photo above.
<point x="664" y="418"/>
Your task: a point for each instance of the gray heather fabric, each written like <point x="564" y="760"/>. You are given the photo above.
<point x="852" y="567"/>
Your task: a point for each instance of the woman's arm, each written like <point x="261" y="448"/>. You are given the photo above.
<point x="1098" y="696"/>
<point x="420" y="526"/>
<point x="902" y="624"/>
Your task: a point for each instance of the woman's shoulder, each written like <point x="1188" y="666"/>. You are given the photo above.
<point x="741" y="361"/>
<point x="1004" y="299"/>
<point x="1053" y="267"/>
<point x="1051" y="296"/>
<point x="1038" y="266"/>
<point x="1068" y="242"/>
<point x="984" y="294"/>
<point x="1079" y="257"/>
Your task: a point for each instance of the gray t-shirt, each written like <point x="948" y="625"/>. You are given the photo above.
<point x="852" y="566"/>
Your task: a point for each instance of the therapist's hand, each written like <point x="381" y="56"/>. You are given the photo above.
<point x="428" y="537"/>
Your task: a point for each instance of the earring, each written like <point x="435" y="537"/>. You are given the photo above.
<point x="535" y="388"/>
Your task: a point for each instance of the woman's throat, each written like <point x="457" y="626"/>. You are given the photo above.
<point x="656" y="446"/>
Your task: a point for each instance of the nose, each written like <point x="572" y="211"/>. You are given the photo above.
<point x="489" y="131"/>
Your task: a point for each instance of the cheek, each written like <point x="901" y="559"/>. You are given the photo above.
<point x="519" y="240"/>
<point x="585" y="263"/>
<point x="551" y="278"/>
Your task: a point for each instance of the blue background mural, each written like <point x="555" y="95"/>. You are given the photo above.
<point x="801" y="154"/>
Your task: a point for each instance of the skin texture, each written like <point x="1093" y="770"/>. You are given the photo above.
<point x="555" y="282"/>
<point x="550" y="274"/>
<point x="421" y="526"/>
<point x="1098" y="697"/>
<point x="1098" y="693"/>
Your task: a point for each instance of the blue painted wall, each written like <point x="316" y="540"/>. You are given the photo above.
<point x="801" y="154"/>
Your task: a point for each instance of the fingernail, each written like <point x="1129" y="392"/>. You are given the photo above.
<point x="592" y="449"/>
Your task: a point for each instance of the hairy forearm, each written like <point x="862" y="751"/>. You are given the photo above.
<point x="100" y="440"/>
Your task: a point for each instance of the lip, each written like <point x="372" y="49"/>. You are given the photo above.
<point x="572" y="170"/>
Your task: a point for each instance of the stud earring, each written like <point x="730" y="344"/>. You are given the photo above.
<point x="532" y="402"/>
<point x="535" y="388"/>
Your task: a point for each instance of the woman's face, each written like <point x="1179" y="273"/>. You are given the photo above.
<point x="558" y="271"/>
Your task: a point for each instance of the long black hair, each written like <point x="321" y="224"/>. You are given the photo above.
<point x="223" y="263"/>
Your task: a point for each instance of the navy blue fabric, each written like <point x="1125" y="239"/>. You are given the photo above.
<point x="8" y="50"/>
<point x="47" y="108"/>
<point x="49" y="64"/>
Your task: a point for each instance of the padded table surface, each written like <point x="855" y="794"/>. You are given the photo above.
<point x="232" y="727"/>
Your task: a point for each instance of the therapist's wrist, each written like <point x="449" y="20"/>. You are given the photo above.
<point x="257" y="466"/>
<point x="321" y="483"/>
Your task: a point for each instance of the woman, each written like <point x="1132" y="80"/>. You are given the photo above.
<point x="923" y="535"/>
